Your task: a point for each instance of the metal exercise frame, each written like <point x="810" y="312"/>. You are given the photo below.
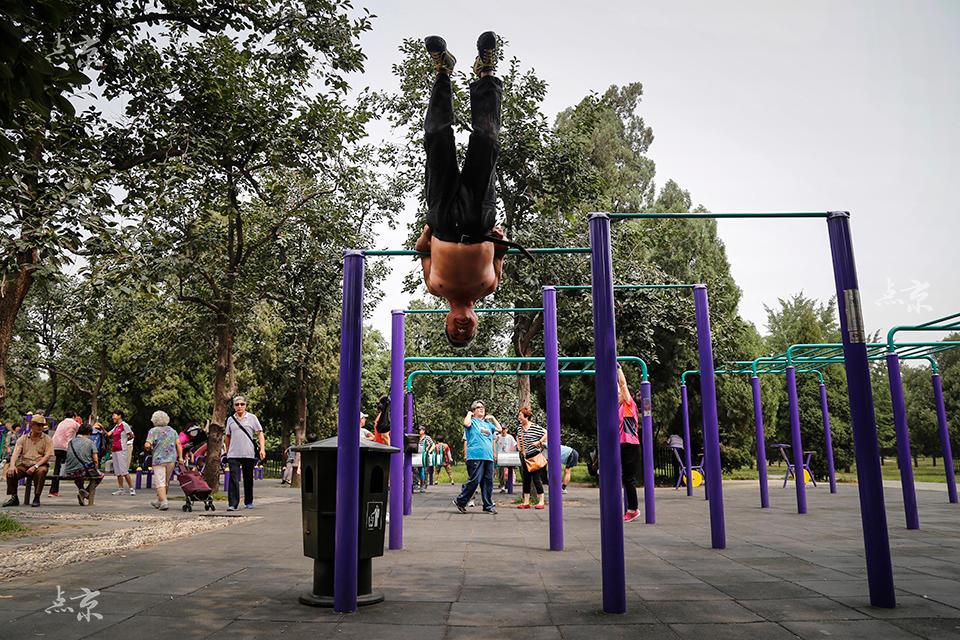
<point x="867" y="449"/>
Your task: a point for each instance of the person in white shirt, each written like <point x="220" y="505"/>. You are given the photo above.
<point x="241" y="429"/>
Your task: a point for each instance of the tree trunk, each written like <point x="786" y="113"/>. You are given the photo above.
<point x="98" y="385"/>
<point x="224" y="388"/>
<point x="300" y="430"/>
<point x="525" y="328"/>
<point x="13" y="289"/>
<point x="54" y="390"/>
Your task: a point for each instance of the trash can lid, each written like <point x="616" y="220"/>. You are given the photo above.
<point x="331" y="443"/>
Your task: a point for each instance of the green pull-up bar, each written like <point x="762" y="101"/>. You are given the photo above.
<point x="577" y="287"/>
<point x="939" y="324"/>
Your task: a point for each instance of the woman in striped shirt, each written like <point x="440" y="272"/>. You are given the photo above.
<point x="532" y="440"/>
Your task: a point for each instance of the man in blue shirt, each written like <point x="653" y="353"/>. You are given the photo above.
<point x="478" y="432"/>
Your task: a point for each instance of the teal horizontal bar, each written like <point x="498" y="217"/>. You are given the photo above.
<point x="490" y="310"/>
<point x="413" y="252"/>
<point x="581" y="287"/>
<point x="649" y="216"/>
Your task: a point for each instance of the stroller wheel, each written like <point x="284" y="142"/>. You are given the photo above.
<point x="186" y="507"/>
<point x="189" y="507"/>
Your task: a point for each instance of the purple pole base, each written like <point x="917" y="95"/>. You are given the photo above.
<point x="646" y="428"/>
<point x="904" y="457"/>
<point x="687" y="444"/>
<point x="943" y="429"/>
<point x="761" y="442"/>
<point x="828" y="437"/>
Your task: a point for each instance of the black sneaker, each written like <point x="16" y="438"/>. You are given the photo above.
<point x="492" y="511"/>
<point x="35" y="503"/>
<point x="486" y="53"/>
<point x="460" y="508"/>
<point x="12" y="501"/>
<point x="443" y="60"/>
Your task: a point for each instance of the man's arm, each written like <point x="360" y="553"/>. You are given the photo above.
<point x="49" y="454"/>
<point x="423" y="246"/>
<point x="466" y="419"/>
<point x="263" y="444"/>
<point x="17" y="448"/>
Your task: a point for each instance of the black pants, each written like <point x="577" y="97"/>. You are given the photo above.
<point x="462" y="202"/>
<point x="531" y="477"/>
<point x="233" y="492"/>
<point x="629" y="462"/>
<point x="61" y="455"/>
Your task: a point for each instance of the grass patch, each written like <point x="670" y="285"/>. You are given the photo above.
<point x="9" y="527"/>
<point x="923" y="471"/>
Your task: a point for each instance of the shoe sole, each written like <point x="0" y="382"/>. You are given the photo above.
<point x="459" y="508"/>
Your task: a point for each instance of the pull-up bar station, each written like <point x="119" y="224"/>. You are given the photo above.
<point x="876" y="542"/>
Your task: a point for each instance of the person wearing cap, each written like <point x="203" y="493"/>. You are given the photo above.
<point x="364" y="432"/>
<point x="30" y="459"/>
<point x="478" y="429"/>
<point x="243" y="433"/>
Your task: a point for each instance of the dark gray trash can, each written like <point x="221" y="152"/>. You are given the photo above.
<point x="318" y="491"/>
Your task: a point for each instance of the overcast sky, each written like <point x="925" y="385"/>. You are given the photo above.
<point x="758" y="106"/>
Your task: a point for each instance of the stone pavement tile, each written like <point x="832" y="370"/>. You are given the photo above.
<point x="415" y="593"/>
<point x="224" y="606"/>
<point x="503" y="593"/>
<point x="848" y="630"/>
<point x="404" y="613"/>
<point x="939" y="589"/>
<point x="737" y="631"/>
<point x="270" y="629"/>
<point x="802" y="609"/>
<point x="693" y="591"/>
<point x="288" y="609"/>
<point x="907" y="607"/>
<point x="721" y="611"/>
<point x="61" y="626"/>
<point x="837" y="588"/>
<point x="763" y="590"/>
<point x="348" y="629"/>
<point x="505" y="633"/>
<point x="577" y="613"/>
<point x="644" y="576"/>
<point x="618" y="632"/>
<point x="735" y="575"/>
<point x="932" y="628"/>
<point x="198" y="624"/>
<point x="473" y="614"/>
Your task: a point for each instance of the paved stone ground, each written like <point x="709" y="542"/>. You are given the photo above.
<point x="480" y="576"/>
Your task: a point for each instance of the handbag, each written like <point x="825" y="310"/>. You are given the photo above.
<point x="89" y="470"/>
<point x="535" y="463"/>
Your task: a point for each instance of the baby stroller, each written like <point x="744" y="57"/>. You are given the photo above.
<point x="195" y="489"/>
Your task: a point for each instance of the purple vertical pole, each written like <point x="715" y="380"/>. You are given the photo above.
<point x="796" y="440"/>
<point x="944" y="430"/>
<point x="551" y="367"/>
<point x="396" y="429"/>
<point x="687" y="444"/>
<point x="509" y="481"/>
<point x="761" y="442"/>
<point x="828" y="437"/>
<point x="904" y="459"/>
<point x="347" y="531"/>
<point x="608" y="418"/>
<point x="646" y="429"/>
<point x="408" y="462"/>
<point x="876" y="539"/>
<point x="711" y="427"/>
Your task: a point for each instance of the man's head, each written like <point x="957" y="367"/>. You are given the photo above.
<point x="422" y="430"/>
<point x="37" y="424"/>
<point x="478" y="409"/>
<point x="85" y="430"/>
<point x="117" y="417"/>
<point x="461" y="325"/>
<point x="76" y="416"/>
<point x="240" y="405"/>
<point x="363" y="419"/>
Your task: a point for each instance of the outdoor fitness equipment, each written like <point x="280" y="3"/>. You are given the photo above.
<point x="565" y="367"/>
<point x="870" y="486"/>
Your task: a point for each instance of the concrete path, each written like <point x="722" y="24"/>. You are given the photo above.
<point x="491" y="577"/>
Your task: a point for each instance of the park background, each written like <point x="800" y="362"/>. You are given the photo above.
<point x="177" y="199"/>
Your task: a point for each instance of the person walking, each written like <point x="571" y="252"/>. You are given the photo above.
<point x="120" y="435"/>
<point x="629" y="445"/>
<point x="83" y="465"/>
<point x="66" y="431"/>
<point x="163" y="443"/>
<point x="425" y="448"/>
<point x="533" y="440"/>
<point x="241" y="452"/>
<point x="444" y="459"/>
<point x="478" y="429"/>
<point x="503" y="443"/>
<point x="30" y="459"/>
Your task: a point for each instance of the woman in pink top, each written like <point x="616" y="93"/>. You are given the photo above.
<point x="629" y="446"/>
<point x="66" y="431"/>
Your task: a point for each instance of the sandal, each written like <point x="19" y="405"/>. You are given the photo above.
<point x="523" y="506"/>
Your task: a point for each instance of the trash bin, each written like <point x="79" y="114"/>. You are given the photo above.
<point x="318" y="491"/>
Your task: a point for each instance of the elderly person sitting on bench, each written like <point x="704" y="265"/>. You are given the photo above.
<point x="30" y="460"/>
